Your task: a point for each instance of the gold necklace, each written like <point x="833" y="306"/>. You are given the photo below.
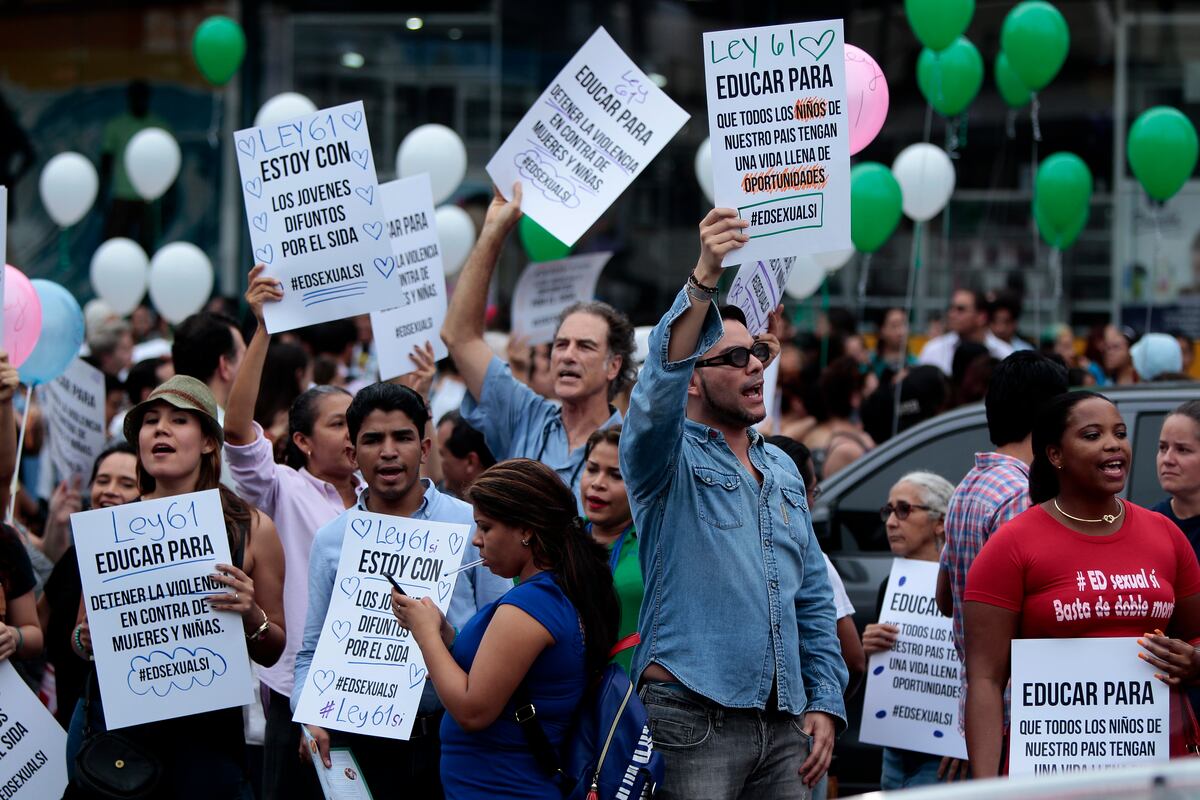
<point x="1107" y="518"/>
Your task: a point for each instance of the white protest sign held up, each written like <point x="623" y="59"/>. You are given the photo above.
<point x="591" y="133"/>
<point x="911" y="699"/>
<point x="780" y="143"/>
<point x="74" y="404"/>
<point x="33" y="746"/>
<point x="548" y="288"/>
<point x="409" y="213"/>
<point x="367" y="673"/>
<point x="146" y="569"/>
<point x="757" y="290"/>
<point x="1083" y="704"/>
<point x="316" y="218"/>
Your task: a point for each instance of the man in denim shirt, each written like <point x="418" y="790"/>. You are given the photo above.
<point x="591" y="360"/>
<point x="385" y="424"/>
<point x="739" y="661"/>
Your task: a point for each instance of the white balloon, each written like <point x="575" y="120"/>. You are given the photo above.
<point x="834" y="259"/>
<point x="703" y="164"/>
<point x="181" y="279"/>
<point x="437" y="150"/>
<point x="68" y="188"/>
<point x="805" y="278"/>
<point x="456" y="234"/>
<point x="120" y="271"/>
<point x="282" y="107"/>
<point x="926" y="177"/>
<point x="152" y="162"/>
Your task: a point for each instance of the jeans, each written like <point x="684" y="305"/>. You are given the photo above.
<point x="285" y="776"/>
<point x="717" y="753"/>
<point x="904" y="769"/>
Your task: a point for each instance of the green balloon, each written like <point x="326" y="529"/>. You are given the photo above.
<point x="876" y="203"/>
<point x="937" y="23"/>
<point x="1062" y="192"/>
<point x="219" y="46"/>
<point x="539" y="243"/>
<point x="1162" y="151"/>
<point x="1015" y="93"/>
<point x="949" y="80"/>
<point x="1036" y="39"/>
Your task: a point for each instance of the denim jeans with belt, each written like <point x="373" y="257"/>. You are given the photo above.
<point x="717" y="753"/>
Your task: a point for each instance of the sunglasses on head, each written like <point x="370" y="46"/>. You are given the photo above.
<point x="901" y="509"/>
<point x="739" y="356"/>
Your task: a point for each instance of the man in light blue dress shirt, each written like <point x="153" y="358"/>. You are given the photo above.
<point x="386" y="422"/>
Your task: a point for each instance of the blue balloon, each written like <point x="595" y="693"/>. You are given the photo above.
<point x="61" y="337"/>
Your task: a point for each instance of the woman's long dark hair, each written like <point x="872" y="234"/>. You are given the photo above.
<point x="302" y="418"/>
<point x="1049" y="424"/>
<point x="528" y="494"/>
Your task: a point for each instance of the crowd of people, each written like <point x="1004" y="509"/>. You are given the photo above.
<point x="612" y="503"/>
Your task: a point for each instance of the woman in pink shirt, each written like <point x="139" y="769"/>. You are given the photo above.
<point x="316" y="483"/>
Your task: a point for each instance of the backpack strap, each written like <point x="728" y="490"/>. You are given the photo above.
<point x="525" y="715"/>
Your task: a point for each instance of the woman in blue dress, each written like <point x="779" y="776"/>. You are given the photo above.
<point x="549" y="636"/>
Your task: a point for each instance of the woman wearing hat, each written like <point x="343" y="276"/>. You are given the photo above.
<point x="178" y="444"/>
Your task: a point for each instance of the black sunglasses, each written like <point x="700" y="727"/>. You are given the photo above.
<point x="901" y="509"/>
<point x="739" y="356"/>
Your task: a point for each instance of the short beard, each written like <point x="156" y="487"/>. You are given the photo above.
<point x="730" y="414"/>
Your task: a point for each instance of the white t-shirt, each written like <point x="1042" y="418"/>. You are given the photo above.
<point x="940" y="351"/>
<point x="841" y="600"/>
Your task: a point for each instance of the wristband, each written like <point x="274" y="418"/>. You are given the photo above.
<point x="692" y="281"/>
<point x="697" y="295"/>
<point x="20" y="640"/>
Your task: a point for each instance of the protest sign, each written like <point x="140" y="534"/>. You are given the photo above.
<point x="367" y="673"/>
<point x="74" y="407"/>
<point x="590" y="134"/>
<point x="1083" y="704"/>
<point x="408" y="209"/>
<point x="780" y="137"/>
<point x="911" y="699"/>
<point x="316" y="218"/>
<point x="33" y="746"/>
<point x="757" y="290"/>
<point x="548" y="288"/>
<point x="146" y="570"/>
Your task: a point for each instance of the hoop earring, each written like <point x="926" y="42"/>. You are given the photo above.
<point x="525" y="543"/>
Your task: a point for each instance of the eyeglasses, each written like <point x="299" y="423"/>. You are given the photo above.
<point x="901" y="509"/>
<point x="739" y="356"/>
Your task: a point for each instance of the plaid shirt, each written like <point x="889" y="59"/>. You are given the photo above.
<point x="993" y="492"/>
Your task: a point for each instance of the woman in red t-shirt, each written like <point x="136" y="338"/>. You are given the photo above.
<point x="1053" y="571"/>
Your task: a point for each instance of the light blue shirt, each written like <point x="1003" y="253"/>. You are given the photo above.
<point x="517" y="422"/>
<point x="475" y="588"/>
<point x="737" y="596"/>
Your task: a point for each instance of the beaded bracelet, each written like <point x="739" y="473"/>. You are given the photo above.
<point x="694" y="282"/>
<point x="83" y="653"/>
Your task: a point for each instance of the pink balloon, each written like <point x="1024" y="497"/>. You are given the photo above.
<point x="866" y="97"/>
<point x="22" y="315"/>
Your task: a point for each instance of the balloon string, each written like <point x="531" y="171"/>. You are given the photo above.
<point x="64" y="249"/>
<point x="1155" y="211"/>
<point x="16" y="478"/>
<point x="928" y="122"/>
<point x="825" y="311"/>
<point x="1056" y="271"/>
<point x="864" y="272"/>
<point x="908" y="308"/>
<point x="1034" y="106"/>
<point x="1010" y="124"/>
<point x="157" y="217"/>
<point x="214" y="123"/>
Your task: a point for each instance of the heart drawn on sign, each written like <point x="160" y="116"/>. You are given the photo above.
<point x="385" y="266"/>
<point x="415" y="676"/>
<point x="444" y="588"/>
<point x="349" y="586"/>
<point x="359" y="157"/>
<point x="247" y="146"/>
<point x="366" y="193"/>
<point x="254" y="187"/>
<point x="361" y="527"/>
<point x="353" y="121"/>
<point x="373" y="229"/>
<point x="265" y="254"/>
<point x="817" y="47"/>
<point x="456" y="543"/>
<point x="323" y="679"/>
<point x="260" y="221"/>
<point x="341" y="629"/>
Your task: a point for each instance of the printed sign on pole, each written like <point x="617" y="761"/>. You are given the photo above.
<point x="74" y="404"/>
<point x="548" y="288"/>
<point x="780" y="142"/>
<point x="1083" y="704"/>
<point x="146" y="569"/>
<point x="367" y="673"/>
<point x="33" y="746"/>
<point x="412" y="231"/>
<point x="911" y="699"/>
<point x="316" y="218"/>
<point x="591" y="133"/>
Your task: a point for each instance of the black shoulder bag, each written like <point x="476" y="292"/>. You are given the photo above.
<point x="112" y="765"/>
